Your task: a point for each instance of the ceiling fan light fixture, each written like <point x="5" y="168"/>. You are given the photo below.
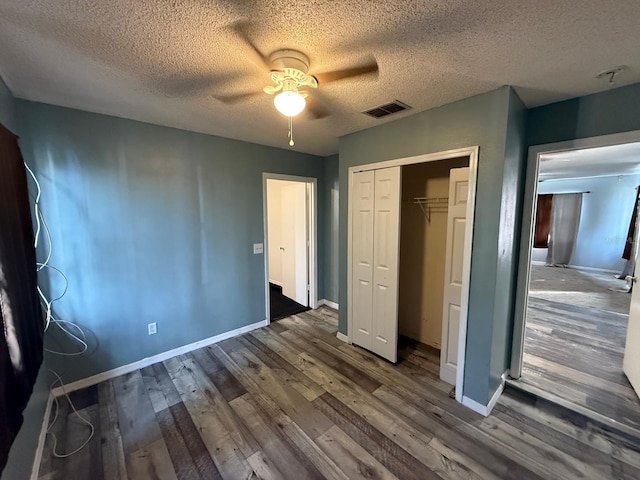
<point x="289" y="103"/>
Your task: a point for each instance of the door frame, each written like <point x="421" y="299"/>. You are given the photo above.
<point x="526" y="235"/>
<point x="472" y="153"/>
<point x="312" y="231"/>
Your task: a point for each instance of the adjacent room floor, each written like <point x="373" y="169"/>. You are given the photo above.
<point x="281" y="306"/>
<point x="574" y="344"/>
<point x="292" y="401"/>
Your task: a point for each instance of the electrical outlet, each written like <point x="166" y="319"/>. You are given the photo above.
<point x="258" y="248"/>
<point x="153" y="328"/>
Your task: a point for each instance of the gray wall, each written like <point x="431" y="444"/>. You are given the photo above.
<point x="494" y="121"/>
<point x="23" y="450"/>
<point x="604" y="219"/>
<point x="331" y="218"/>
<point x="151" y="224"/>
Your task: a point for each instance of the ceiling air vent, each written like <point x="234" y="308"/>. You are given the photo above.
<point x="388" y="109"/>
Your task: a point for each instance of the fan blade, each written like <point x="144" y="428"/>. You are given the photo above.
<point x="236" y="97"/>
<point x="186" y="85"/>
<point x="241" y="29"/>
<point x="315" y="107"/>
<point x="370" y="68"/>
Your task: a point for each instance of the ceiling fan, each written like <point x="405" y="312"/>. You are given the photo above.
<point x="289" y="70"/>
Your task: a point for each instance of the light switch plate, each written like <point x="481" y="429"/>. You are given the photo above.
<point x="152" y="328"/>
<point x="258" y="248"/>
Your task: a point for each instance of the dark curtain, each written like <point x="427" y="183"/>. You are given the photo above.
<point x="543" y="221"/>
<point x="20" y="316"/>
<point x="628" y="247"/>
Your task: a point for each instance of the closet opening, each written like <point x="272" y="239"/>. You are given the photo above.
<point x="410" y="229"/>
<point x="431" y="252"/>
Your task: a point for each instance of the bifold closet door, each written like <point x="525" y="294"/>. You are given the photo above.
<point x="453" y="276"/>
<point x="362" y="257"/>
<point x="376" y="232"/>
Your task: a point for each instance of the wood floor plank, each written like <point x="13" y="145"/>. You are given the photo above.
<point x="181" y="458"/>
<point x="273" y="360"/>
<point x="111" y="439"/>
<point x="354" y="460"/>
<point x="152" y="462"/>
<point x="226" y="383"/>
<point x="378" y="414"/>
<point x="211" y="441"/>
<point x="292" y="401"/>
<point x="207" y="401"/>
<point x="272" y="441"/>
<point x="574" y="427"/>
<point x="333" y="360"/>
<point x="288" y="399"/>
<point x="387" y="452"/>
<point x="263" y="467"/>
<point x="462" y="449"/>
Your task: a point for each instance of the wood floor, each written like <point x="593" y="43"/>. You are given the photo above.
<point x="292" y="401"/>
<point x="576" y="354"/>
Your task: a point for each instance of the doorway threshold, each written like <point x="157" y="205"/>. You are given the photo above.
<point x="599" y="421"/>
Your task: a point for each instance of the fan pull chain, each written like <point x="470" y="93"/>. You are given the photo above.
<point x="291" y="144"/>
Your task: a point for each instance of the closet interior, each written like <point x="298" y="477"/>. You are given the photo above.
<point x="425" y="219"/>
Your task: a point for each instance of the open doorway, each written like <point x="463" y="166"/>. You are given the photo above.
<point x="290" y="262"/>
<point x="577" y="283"/>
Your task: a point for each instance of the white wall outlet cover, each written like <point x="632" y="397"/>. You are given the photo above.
<point x="258" y="248"/>
<point x="152" y="328"/>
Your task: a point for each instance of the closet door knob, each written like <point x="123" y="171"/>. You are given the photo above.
<point x="282" y="248"/>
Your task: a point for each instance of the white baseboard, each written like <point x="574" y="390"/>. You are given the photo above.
<point x="328" y="303"/>
<point x="598" y="270"/>
<point x="343" y="337"/>
<point x="275" y="282"/>
<point x="41" y="439"/>
<point x="145" y="362"/>
<point x="485" y="410"/>
<point x="580" y="267"/>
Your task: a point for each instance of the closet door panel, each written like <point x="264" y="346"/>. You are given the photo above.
<point x="385" y="262"/>
<point x="456" y="228"/>
<point x="362" y="257"/>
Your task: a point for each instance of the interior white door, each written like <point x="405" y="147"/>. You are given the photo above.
<point x="362" y="258"/>
<point x="453" y="277"/>
<point x="631" y="362"/>
<point x="294" y="242"/>
<point x="386" y="252"/>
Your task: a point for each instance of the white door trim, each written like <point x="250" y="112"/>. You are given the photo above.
<point x="526" y="235"/>
<point x="312" y="219"/>
<point x="472" y="153"/>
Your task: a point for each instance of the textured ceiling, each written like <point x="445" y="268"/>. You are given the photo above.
<point x="591" y="162"/>
<point x="164" y="61"/>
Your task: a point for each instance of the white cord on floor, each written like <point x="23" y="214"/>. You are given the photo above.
<point x="80" y="338"/>
<point x="55" y="418"/>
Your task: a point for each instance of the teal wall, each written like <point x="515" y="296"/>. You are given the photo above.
<point x="23" y="450"/>
<point x="508" y="241"/>
<point x="494" y="122"/>
<point x="331" y="218"/>
<point x="604" y="113"/>
<point x="151" y="224"/>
